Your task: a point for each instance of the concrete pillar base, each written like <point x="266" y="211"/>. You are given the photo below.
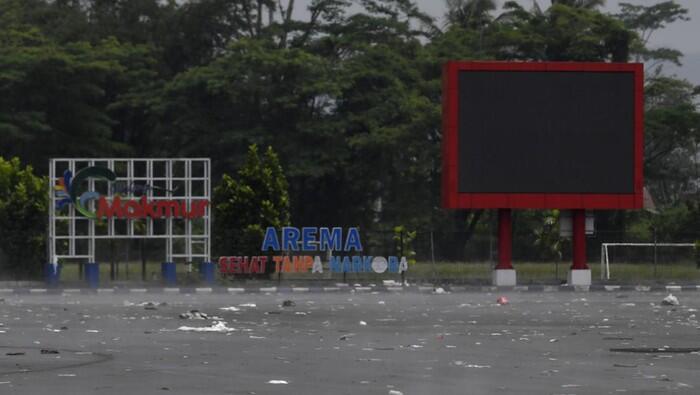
<point x="503" y="277"/>
<point x="579" y="277"/>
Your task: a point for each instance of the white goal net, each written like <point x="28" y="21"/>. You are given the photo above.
<point x="606" y="248"/>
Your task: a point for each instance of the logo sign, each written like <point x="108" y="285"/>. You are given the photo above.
<point x="68" y="192"/>
<point x="307" y="241"/>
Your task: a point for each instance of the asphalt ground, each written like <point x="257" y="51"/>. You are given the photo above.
<point x="350" y="343"/>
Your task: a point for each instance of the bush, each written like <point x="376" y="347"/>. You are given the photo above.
<point x="23" y="220"/>
<point x="244" y="208"/>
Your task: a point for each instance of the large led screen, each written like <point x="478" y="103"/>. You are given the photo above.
<point x="542" y="135"/>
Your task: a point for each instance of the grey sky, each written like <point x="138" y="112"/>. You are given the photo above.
<point x="684" y="36"/>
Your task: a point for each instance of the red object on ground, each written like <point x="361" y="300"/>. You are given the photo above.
<point x="505" y="239"/>
<point x="502" y="300"/>
<point x="579" y="239"/>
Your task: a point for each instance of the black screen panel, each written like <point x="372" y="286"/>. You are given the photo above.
<point x="546" y="132"/>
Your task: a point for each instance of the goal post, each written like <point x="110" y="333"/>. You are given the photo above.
<point x="605" y="257"/>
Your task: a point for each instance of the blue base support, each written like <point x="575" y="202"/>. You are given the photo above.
<point x="207" y="272"/>
<point x="52" y="273"/>
<point x="92" y="274"/>
<point x="169" y="273"/>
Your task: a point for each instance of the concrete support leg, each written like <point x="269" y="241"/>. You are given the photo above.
<point x="504" y="273"/>
<point x="580" y="273"/>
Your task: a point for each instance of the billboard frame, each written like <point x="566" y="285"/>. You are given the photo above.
<point x="193" y="243"/>
<point x="453" y="199"/>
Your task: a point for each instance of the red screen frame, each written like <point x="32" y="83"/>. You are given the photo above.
<point x="453" y="199"/>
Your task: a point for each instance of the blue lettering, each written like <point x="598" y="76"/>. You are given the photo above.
<point x="335" y="264"/>
<point x="290" y="238"/>
<point x="308" y="236"/>
<point x="393" y="264"/>
<point x="367" y="263"/>
<point x="357" y="264"/>
<point x="353" y="240"/>
<point x="331" y="240"/>
<point x="271" y="240"/>
<point x="347" y="265"/>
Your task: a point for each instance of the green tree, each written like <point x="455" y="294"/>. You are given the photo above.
<point x="589" y="4"/>
<point x="75" y="99"/>
<point x="647" y="20"/>
<point x="563" y="32"/>
<point x="470" y="14"/>
<point x="547" y="239"/>
<point x="245" y="207"/>
<point x="672" y="126"/>
<point x="23" y="219"/>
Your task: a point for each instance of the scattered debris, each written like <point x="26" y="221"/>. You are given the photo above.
<point x="149" y="305"/>
<point x="620" y="365"/>
<point x="248" y="305"/>
<point x="395" y="392"/>
<point x="502" y="300"/>
<point x="92" y="331"/>
<point x="48" y="351"/>
<point x="670" y="300"/>
<point x="230" y="308"/>
<point x="277" y="382"/>
<point x="217" y="326"/>
<point x="657" y="350"/>
<point x="194" y="315"/>
<point x="347" y="336"/>
<point x="288" y="303"/>
<point x="439" y="291"/>
<point x="471" y="365"/>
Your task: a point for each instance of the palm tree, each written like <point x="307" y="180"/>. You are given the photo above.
<point x="587" y="4"/>
<point x="470" y="14"/>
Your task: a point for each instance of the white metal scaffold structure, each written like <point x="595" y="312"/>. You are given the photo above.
<point x="73" y="236"/>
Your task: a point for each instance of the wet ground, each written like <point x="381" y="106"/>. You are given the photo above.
<point x="350" y="343"/>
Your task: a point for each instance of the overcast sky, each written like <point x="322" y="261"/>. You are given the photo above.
<point x="681" y="35"/>
<point x="684" y="36"/>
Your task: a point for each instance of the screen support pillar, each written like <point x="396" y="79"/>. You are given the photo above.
<point x="580" y="273"/>
<point x="504" y="273"/>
